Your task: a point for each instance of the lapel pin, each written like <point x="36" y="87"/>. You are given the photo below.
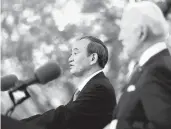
<point x="131" y="88"/>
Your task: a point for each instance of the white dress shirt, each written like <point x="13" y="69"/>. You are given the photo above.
<point x="152" y="51"/>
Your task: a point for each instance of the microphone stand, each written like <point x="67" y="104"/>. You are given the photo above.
<point x="10" y="92"/>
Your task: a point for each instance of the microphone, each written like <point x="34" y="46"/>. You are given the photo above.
<point x="8" y="81"/>
<point x="42" y="75"/>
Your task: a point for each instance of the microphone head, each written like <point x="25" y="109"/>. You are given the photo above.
<point x="8" y="82"/>
<point x="48" y="72"/>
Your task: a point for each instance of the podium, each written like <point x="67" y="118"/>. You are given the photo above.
<point x="9" y="123"/>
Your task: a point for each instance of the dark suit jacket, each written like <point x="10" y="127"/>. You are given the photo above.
<point x="9" y="123"/>
<point x="149" y="105"/>
<point x="92" y="109"/>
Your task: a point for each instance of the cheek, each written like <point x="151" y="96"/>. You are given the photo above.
<point x="84" y="63"/>
<point x="80" y="61"/>
<point x="130" y="45"/>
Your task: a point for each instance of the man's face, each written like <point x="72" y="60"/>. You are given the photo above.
<point x="129" y="33"/>
<point x="79" y="61"/>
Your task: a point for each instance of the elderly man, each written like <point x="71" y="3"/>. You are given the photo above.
<point x="91" y="107"/>
<point x="146" y="100"/>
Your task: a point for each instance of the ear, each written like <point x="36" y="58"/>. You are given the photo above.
<point x="94" y="58"/>
<point x="143" y="32"/>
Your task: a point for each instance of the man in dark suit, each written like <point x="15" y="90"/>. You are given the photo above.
<point x="146" y="100"/>
<point x="91" y="107"/>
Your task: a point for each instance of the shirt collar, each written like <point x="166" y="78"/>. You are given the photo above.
<point x="150" y="52"/>
<point x="88" y="79"/>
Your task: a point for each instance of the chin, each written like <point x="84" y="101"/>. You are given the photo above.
<point x="76" y="73"/>
<point x="130" y="52"/>
<point x="73" y="72"/>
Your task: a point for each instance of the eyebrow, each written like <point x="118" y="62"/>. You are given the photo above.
<point x="76" y="49"/>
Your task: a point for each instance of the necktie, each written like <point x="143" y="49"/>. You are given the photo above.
<point x="135" y="69"/>
<point x="133" y="78"/>
<point x="135" y="74"/>
<point x="76" y="94"/>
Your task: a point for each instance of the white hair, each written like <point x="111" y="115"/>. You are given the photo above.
<point x="151" y="16"/>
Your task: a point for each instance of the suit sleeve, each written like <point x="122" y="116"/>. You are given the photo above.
<point x="86" y="109"/>
<point x="30" y="118"/>
<point x="156" y="98"/>
<point x="41" y="120"/>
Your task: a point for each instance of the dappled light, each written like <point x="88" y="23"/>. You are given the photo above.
<point x="37" y="31"/>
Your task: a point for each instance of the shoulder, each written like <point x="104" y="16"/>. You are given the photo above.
<point x="159" y="67"/>
<point x="101" y="86"/>
<point x="101" y="81"/>
<point x="159" y="71"/>
<point x="167" y="62"/>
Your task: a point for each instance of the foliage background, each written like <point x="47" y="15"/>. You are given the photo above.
<point x="35" y="31"/>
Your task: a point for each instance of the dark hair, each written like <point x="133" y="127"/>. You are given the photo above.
<point x="97" y="46"/>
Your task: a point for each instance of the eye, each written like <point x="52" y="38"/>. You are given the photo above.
<point x="70" y="55"/>
<point x="75" y="53"/>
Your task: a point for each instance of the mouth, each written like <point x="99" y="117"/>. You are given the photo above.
<point x="70" y="65"/>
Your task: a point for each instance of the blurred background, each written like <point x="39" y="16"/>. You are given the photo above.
<point x="36" y="31"/>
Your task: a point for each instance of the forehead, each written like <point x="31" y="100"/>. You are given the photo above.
<point x="130" y="18"/>
<point x="80" y="44"/>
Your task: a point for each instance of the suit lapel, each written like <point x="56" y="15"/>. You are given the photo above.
<point x="99" y="75"/>
<point x="130" y="92"/>
<point x="135" y="76"/>
<point x="133" y="79"/>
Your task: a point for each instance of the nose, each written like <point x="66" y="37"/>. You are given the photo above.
<point x="122" y="43"/>
<point x="120" y="37"/>
<point x="70" y="59"/>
